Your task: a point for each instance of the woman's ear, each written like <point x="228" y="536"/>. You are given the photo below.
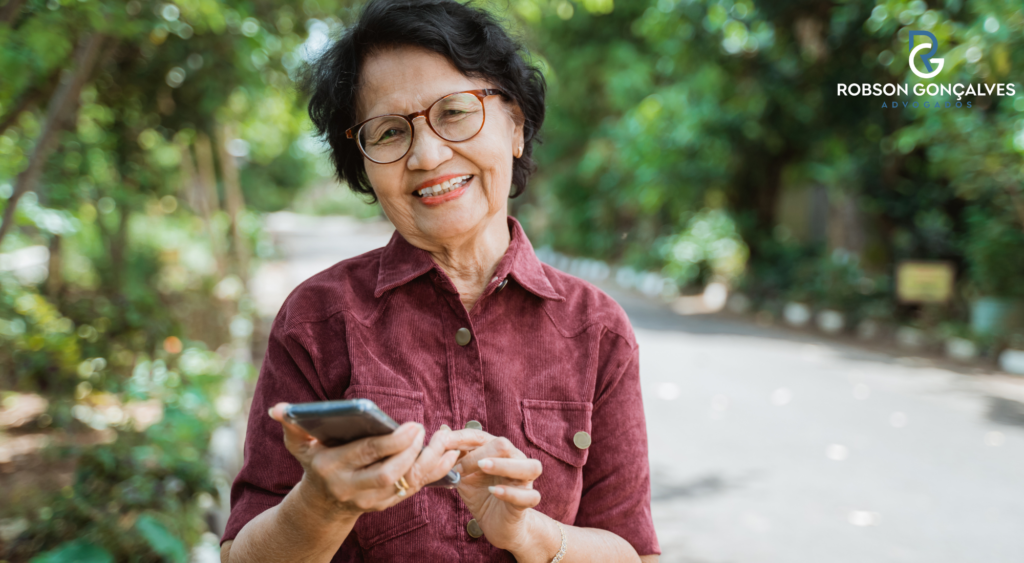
<point x="518" y="139"/>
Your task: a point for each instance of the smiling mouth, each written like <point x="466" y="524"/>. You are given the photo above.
<point x="444" y="187"/>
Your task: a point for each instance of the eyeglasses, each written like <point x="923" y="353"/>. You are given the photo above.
<point x="456" y="117"/>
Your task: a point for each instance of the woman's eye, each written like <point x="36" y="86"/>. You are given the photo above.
<point x="387" y="136"/>
<point x="452" y="115"/>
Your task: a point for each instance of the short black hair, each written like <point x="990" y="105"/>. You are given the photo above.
<point x="469" y="37"/>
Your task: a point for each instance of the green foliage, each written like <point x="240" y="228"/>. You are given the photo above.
<point x="78" y="551"/>
<point x="38" y="344"/>
<point x="994" y="249"/>
<point x="137" y="499"/>
<point x="782" y="271"/>
<point x="708" y="248"/>
<point x="161" y="540"/>
<point x="661" y="108"/>
<point x="273" y="187"/>
<point x="145" y="271"/>
<point x="838" y="282"/>
<point x="141" y="497"/>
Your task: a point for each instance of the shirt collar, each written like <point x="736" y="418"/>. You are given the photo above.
<point x="401" y="262"/>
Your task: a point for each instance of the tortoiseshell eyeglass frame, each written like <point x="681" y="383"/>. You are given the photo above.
<point x="353" y="132"/>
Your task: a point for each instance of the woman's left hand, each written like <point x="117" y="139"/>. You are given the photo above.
<point x="497" y="486"/>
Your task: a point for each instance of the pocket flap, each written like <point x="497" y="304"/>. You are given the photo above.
<point x="402" y="405"/>
<point x="551" y="425"/>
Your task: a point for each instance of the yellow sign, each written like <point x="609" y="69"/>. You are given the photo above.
<point x="924" y="282"/>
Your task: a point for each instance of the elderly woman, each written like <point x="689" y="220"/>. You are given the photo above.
<point x="455" y="324"/>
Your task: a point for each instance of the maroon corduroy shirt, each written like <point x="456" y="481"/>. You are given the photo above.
<point x="550" y="356"/>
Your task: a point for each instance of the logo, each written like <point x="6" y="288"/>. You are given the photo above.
<point x="936" y="95"/>
<point x="925" y="57"/>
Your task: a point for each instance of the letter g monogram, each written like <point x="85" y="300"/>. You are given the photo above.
<point x="934" y="44"/>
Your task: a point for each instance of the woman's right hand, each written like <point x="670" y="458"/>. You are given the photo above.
<point x="360" y="476"/>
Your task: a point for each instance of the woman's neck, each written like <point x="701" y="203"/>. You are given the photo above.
<point x="472" y="261"/>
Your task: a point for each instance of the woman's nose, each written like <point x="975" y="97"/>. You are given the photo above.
<point x="427" y="150"/>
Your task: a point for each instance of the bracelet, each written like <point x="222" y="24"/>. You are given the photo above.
<point x="561" y="551"/>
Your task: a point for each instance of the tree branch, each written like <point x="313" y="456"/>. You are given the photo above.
<point x="61" y="104"/>
<point x="29" y="99"/>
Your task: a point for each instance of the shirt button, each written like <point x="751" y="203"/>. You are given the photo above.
<point x="502" y="285"/>
<point x="474" y="529"/>
<point x="582" y="440"/>
<point x="463" y="336"/>
<point x="474" y="425"/>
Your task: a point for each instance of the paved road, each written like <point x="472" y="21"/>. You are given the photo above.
<point x="770" y="446"/>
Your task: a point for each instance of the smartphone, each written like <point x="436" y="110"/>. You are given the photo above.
<point x="335" y="423"/>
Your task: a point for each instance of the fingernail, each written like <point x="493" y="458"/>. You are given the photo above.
<point x="486" y="463"/>
<point x="458" y="468"/>
<point x="495" y="490"/>
<point x="270" y="412"/>
<point x="446" y="427"/>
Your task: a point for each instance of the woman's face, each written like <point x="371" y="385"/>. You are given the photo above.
<point x="404" y="80"/>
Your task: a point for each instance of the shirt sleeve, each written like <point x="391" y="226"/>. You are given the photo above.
<point x="269" y="470"/>
<point x="616" y="492"/>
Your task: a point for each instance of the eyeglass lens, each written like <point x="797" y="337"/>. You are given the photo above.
<point x="455" y="118"/>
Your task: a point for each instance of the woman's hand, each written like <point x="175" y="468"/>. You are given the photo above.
<point x="497" y="486"/>
<point x="360" y="476"/>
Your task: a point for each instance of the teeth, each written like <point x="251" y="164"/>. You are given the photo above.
<point x="444" y="187"/>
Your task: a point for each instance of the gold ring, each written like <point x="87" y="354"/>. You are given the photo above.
<point x="402" y="485"/>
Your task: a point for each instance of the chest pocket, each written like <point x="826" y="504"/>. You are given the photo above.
<point x="375" y="528"/>
<point x="550" y="427"/>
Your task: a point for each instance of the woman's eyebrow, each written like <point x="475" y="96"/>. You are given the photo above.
<point x="369" y="114"/>
<point x="422" y="105"/>
<point x="415" y="106"/>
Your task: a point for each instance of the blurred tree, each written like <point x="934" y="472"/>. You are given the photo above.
<point x="58" y="115"/>
<point x="660" y="108"/>
<point x="119" y="131"/>
<point x="132" y="137"/>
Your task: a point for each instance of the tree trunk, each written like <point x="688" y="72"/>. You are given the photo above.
<point x="55" y="277"/>
<point x="207" y="175"/>
<point x="767" y="190"/>
<point x="233" y="200"/>
<point x="118" y="248"/>
<point x="61" y="104"/>
<point x="756" y="195"/>
<point x="190" y="190"/>
<point x="1018" y="203"/>
<point x="209" y="200"/>
<point x="9" y="11"/>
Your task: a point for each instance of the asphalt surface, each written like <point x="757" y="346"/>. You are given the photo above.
<point x="773" y="446"/>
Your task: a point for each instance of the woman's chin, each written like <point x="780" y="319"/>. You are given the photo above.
<point x="439" y="229"/>
<point x="457" y="221"/>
